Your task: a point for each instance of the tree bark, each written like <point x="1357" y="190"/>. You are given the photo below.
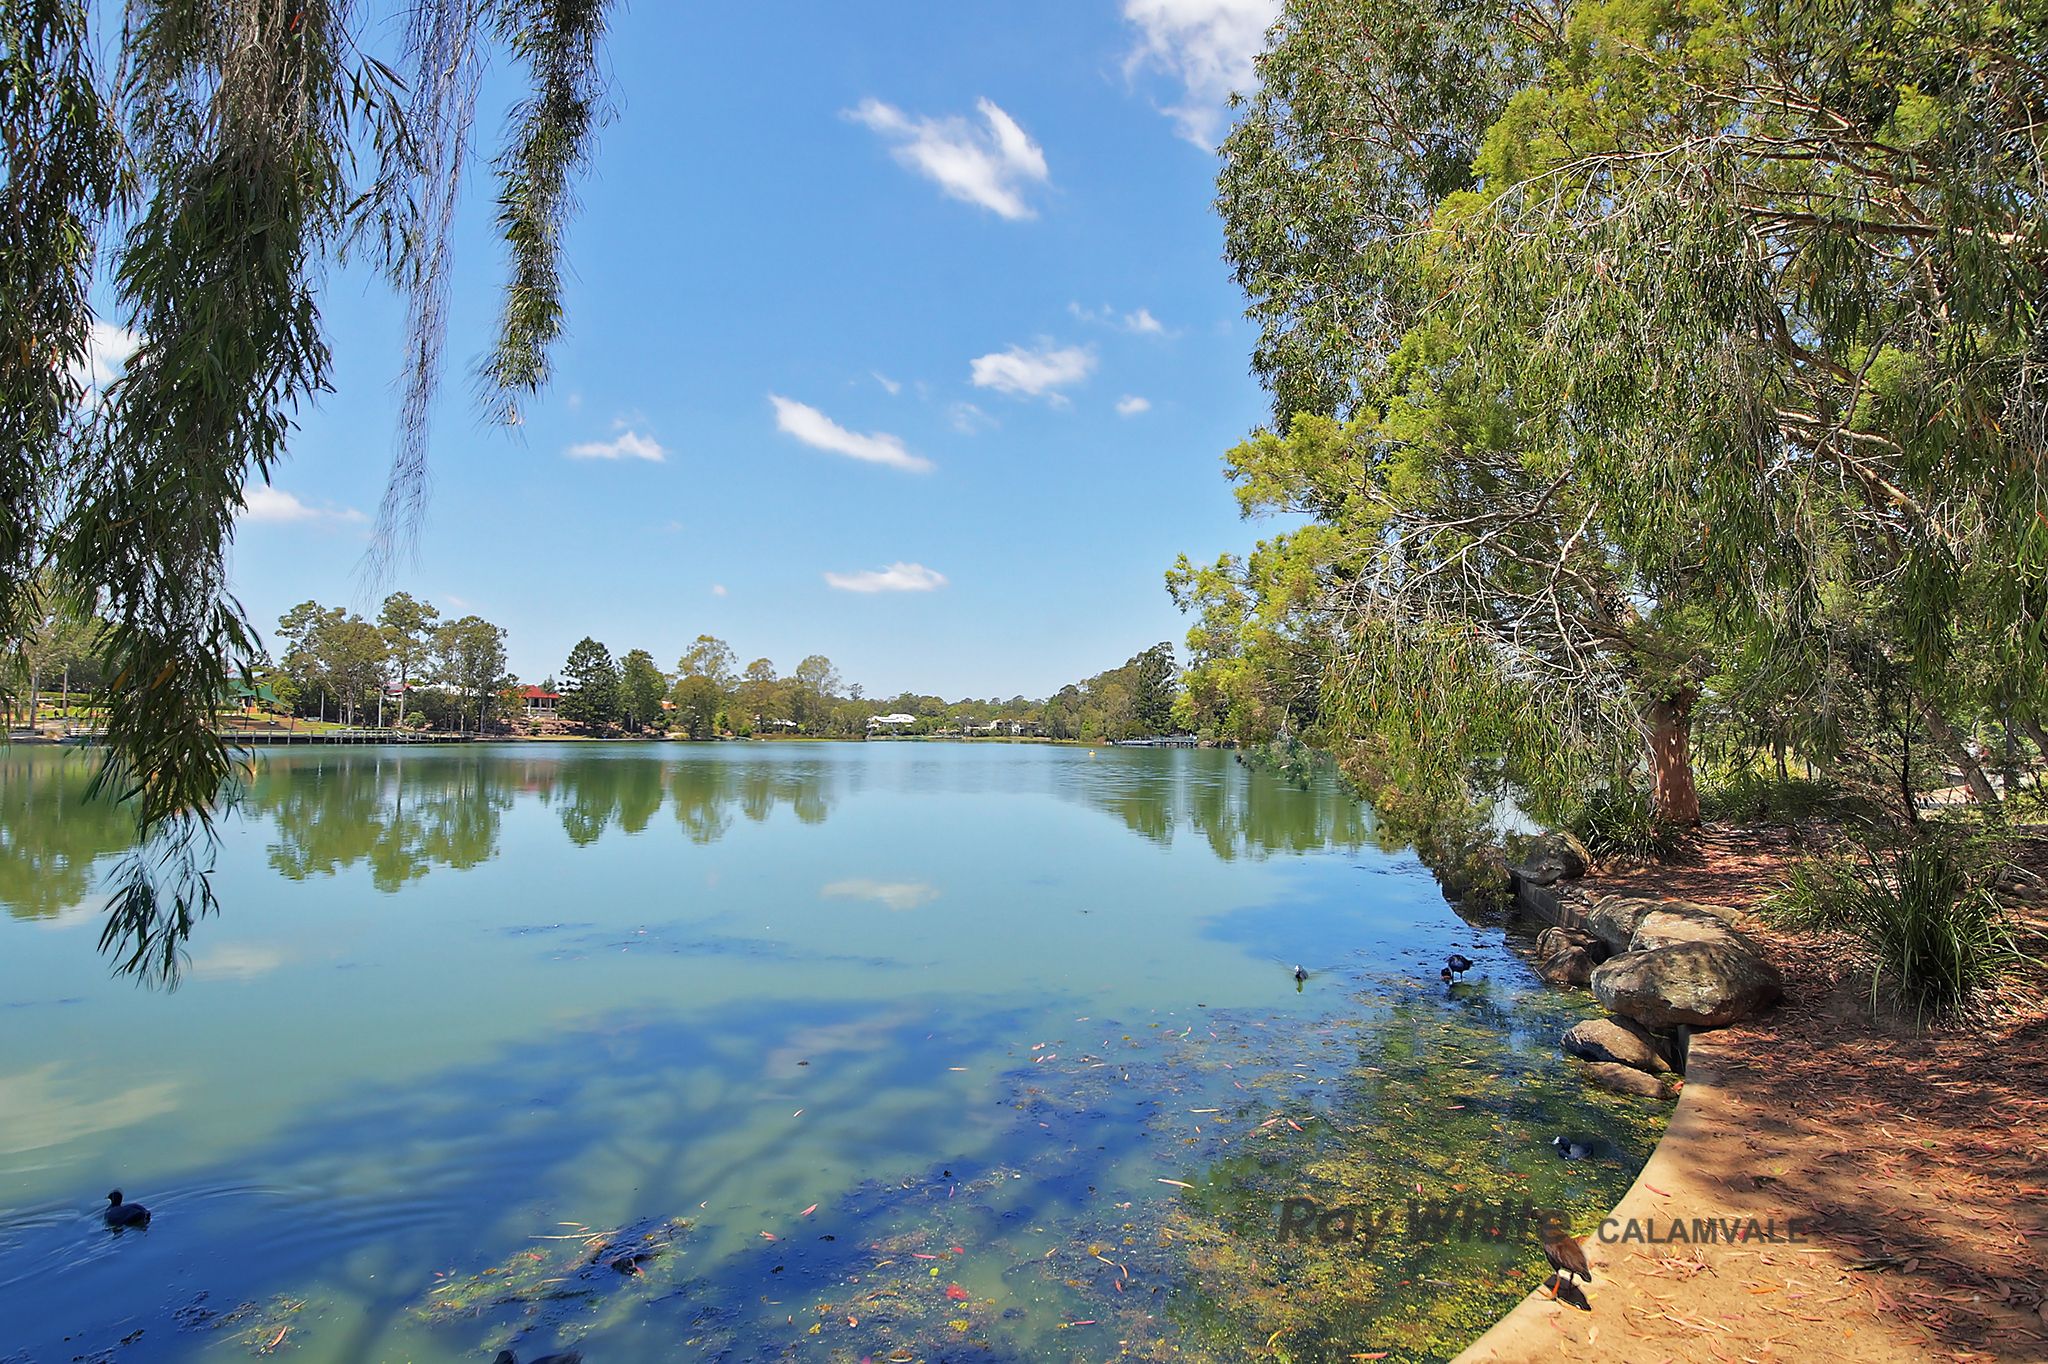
<point x="2034" y="731"/>
<point x="1950" y="743"/>
<point x="1674" y="797"/>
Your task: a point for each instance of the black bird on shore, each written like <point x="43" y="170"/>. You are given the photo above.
<point x="565" y="1357"/>
<point x="1567" y="1257"/>
<point x="1445" y="975"/>
<point x="119" y="1214"/>
<point x="1459" y="963"/>
<point x="1571" y="1150"/>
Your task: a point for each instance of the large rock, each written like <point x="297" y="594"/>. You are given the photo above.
<point x="1557" y="938"/>
<point x="1567" y="966"/>
<point x="1613" y="919"/>
<point x="1698" y="984"/>
<point x="1676" y="922"/>
<point x="1625" y="1080"/>
<point x="1546" y="859"/>
<point x="1619" y="1040"/>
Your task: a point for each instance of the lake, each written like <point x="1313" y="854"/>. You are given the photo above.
<point x="884" y="1052"/>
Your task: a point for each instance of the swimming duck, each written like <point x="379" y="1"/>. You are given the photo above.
<point x="565" y="1357"/>
<point x="1459" y="963"/>
<point x="1300" y="974"/>
<point x="1571" y="1150"/>
<point x="119" y="1214"/>
<point x="1566" y="1255"/>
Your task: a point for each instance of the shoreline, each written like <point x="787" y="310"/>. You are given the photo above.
<point x="1922" y="1220"/>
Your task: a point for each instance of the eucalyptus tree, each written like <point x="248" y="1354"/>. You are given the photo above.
<point x="705" y="683"/>
<point x="1614" y="343"/>
<point x="232" y="153"/>
<point x="1773" y="275"/>
<point x="470" y="656"/>
<point x="642" y="689"/>
<point x="408" y="626"/>
<point x="815" y="685"/>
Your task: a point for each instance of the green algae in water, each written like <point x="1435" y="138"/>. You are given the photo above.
<point x="571" y="1281"/>
<point x="1427" y="1115"/>
<point x="1435" y="1141"/>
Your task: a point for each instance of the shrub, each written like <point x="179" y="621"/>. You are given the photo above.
<point x="1618" y="820"/>
<point x="1924" y="911"/>
<point x="1753" y="795"/>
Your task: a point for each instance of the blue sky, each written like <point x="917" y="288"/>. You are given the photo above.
<point x="897" y="333"/>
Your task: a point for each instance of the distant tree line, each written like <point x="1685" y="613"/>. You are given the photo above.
<point x="708" y="694"/>
<point x="409" y="667"/>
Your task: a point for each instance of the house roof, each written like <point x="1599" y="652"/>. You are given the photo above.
<point x="538" y="694"/>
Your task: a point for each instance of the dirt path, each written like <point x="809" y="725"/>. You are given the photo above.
<point x="1921" y="1157"/>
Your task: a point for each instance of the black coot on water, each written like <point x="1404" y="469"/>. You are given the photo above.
<point x="119" y="1214"/>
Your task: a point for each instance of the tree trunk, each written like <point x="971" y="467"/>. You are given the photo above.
<point x="1674" y="797"/>
<point x="1950" y="743"/>
<point x="2034" y="731"/>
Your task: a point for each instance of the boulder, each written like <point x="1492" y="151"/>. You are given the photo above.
<point x="1557" y="938"/>
<point x="1699" y="984"/>
<point x="1567" y="852"/>
<point x="1625" y="1079"/>
<point x="1619" y="1040"/>
<point x="1545" y="859"/>
<point x="1567" y="966"/>
<point x="1613" y="919"/>
<point x="1675" y="922"/>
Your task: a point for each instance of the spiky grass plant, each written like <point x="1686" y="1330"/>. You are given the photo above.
<point x="1924" y="911"/>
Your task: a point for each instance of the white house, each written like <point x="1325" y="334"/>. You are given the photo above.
<point x="896" y="721"/>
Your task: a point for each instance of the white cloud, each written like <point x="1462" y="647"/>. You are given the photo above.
<point x="1206" y="45"/>
<point x="820" y="432"/>
<point x="970" y="420"/>
<point x="896" y="895"/>
<point x="107" y="352"/>
<point x="457" y="602"/>
<point x="1139" y="323"/>
<point x="990" y="166"/>
<point x="889" y="386"/>
<point x="231" y="961"/>
<point x="897" y="577"/>
<point x="1130" y="405"/>
<point x="1037" y="373"/>
<point x="718" y="589"/>
<point x="274" y="506"/>
<point x="627" y="444"/>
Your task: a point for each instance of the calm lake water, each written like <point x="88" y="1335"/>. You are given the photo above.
<point x="882" y="1052"/>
